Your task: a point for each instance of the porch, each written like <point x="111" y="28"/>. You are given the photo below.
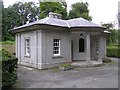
<point x="88" y="46"/>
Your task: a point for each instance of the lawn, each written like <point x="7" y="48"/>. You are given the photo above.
<point x="8" y="45"/>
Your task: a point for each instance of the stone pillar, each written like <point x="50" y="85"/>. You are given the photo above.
<point x="93" y="47"/>
<point x="101" y="48"/>
<point x="88" y="47"/>
<point x="18" y="47"/>
<point x="105" y="46"/>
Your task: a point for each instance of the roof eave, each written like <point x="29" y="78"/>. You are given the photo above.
<point x="33" y="27"/>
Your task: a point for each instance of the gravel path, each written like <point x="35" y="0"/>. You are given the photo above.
<point x="105" y="76"/>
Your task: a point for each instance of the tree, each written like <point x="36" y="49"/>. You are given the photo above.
<point x="10" y="19"/>
<point x="108" y="26"/>
<point x="16" y="15"/>
<point x="28" y="11"/>
<point x="113" y="37"/>
<point x="79" y="10"/>
<point x="119" y="38"/>
<point x="56" y="7"/>
<point x="1" y="7"/>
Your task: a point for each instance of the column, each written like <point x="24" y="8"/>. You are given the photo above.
<point x="101" y="48"/>
<point x="88" y="46"/>
<point x="18" y="47"/>
<point x="105" y="46"/>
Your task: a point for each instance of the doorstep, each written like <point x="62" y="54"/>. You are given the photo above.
<point x="87" y="63"/>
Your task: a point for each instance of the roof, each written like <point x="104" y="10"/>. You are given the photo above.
<point x="80" y="22"/>
<point x="77" y="22"/>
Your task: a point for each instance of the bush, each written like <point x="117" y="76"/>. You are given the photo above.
<point x="9" y="68"/>
<point x="106" y="60"/>
<point x="113" y="51"/>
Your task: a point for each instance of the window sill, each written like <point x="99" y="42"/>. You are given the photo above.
<point x="57" y="57"/>
<point x="27" y="56"/>
<point x="81" y="52"/>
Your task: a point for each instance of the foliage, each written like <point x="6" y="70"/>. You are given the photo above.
<point x="80" y="10"/>
<point x="16" y="15"/>
<point x="108" y="25"/>
<point x="9" y="68"/>
<point x="65" y="65"/>
<point x="113" y="37"/>
<point x="106" y="60"/>
<point x="10" y="19"/>
<point x="56" y="7"/>
<point x="1" y="7"/>
<point x="119" y="38"/>
<point x="28" y="11"/>
<point x="113" y="51"/>
<point x="7" y="42"/>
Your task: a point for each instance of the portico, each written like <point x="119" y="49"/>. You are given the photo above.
<point x="94" y="46"/>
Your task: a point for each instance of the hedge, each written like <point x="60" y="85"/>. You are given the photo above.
<point x="9" y="68"/>
<point x="113" y="51"/>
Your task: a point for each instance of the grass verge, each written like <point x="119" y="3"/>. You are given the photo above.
<point x="8" y="43"/>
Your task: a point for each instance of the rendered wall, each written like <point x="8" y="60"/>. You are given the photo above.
<point x="48" y="59"/>
<point x="76" y="54"/>
<point x="35" y="48"/>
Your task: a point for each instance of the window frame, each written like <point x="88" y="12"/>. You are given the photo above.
<point x="97" y="42"/>
<point x="82" y="49"/>
<point x="56" y="47"/>
<point x="27" y="47"/>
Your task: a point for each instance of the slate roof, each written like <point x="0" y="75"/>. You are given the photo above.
<point x="77" y="22"/>
<point x="80" y="22"/>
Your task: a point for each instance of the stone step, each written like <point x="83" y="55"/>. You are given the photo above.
<point x="86" y="63"/>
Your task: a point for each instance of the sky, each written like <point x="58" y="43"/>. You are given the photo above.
<point x="104" y="11"/>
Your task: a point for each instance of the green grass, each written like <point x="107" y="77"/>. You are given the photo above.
<point x="112" y="63"/>
<point x="7" y="42"/>
<point x="65" y="65"/>
<point x="55" y="69"/>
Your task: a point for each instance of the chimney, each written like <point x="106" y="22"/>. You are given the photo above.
<point x="54" y="15"/>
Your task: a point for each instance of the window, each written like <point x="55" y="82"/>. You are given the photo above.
<point x="27" y="47"/>
<point x="56" y="47"/>
<point x="81" y="45"/>
<point x="97" y="47"/>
